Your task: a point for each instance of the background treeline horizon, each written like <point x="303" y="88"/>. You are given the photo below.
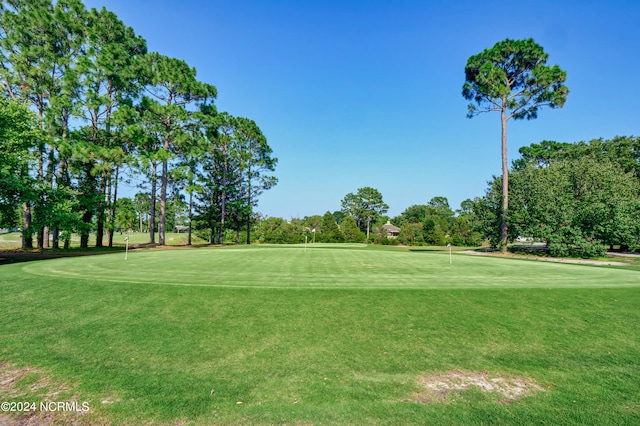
<point x="579" y="198"/>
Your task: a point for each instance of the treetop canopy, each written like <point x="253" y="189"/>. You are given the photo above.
<point x="512" y="76"/>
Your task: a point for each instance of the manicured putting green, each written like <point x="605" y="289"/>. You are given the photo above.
<point x="329" y="267"/>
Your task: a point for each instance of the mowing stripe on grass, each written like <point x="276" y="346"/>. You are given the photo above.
<point x="293" y="267"/>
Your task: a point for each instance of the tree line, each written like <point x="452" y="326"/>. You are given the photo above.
<point x="579" y="198"/>
<point x="83" y="101"/>
<point x="362" y="218"/>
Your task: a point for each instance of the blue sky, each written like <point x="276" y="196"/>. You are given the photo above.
<point x="368" y="93"/>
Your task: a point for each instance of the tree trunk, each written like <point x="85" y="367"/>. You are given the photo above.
<point x="56" y="238"/>
<point x="164" y="181"/>
<point x="249" y="208"/>
<point x="101" y="211"/>
<point x="112" y="214"/>
<point x="27" y="232"/>
<point x="152" y="212"/>
<point x="41" y="175"/>
<point x="84" y="234"/>
<point x="89" y="190"/>
<point x="223" y="201"/>
<point x="190" y="216"/>
<point x="107" y="209"/>
<point x="50" y="179"/>
<point x="62" y="166"/>
<point x="223" y="205"/>
<point x="505" y="183"/>
<point x="27" y="235"/>
<point x="40" y="236"/>
<point x="249" y="228"/>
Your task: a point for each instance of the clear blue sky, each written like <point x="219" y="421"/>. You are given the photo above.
<point x="368" y="93"/>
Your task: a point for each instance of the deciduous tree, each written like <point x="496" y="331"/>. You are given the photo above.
<point x="330" y="232"/>
<point x="17" y="137"/>
<point x="351" y="231"/>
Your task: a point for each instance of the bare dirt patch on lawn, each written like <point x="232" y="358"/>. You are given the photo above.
<point x="22" y="390"/>
<point x="438" y="387"/>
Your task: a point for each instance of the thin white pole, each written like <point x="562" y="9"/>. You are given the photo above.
<point x="450" y="260"/>
<point x="126" y="249"/>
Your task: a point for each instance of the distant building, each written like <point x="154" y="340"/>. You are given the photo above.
<point x="180" y="228"/>
<point x="392" y="230"/>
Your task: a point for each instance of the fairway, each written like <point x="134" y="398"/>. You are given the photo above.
<point x="328" y="267"/>
<point x="334" y="335"/>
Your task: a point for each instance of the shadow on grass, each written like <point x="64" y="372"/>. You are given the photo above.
<point x="16" y="256"/>
<point x="8" y="256"/>
<point x="427" y="249"/>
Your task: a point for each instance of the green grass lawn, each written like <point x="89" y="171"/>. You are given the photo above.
<point x="333" y="335"/>
<point x="10" y="240"/>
